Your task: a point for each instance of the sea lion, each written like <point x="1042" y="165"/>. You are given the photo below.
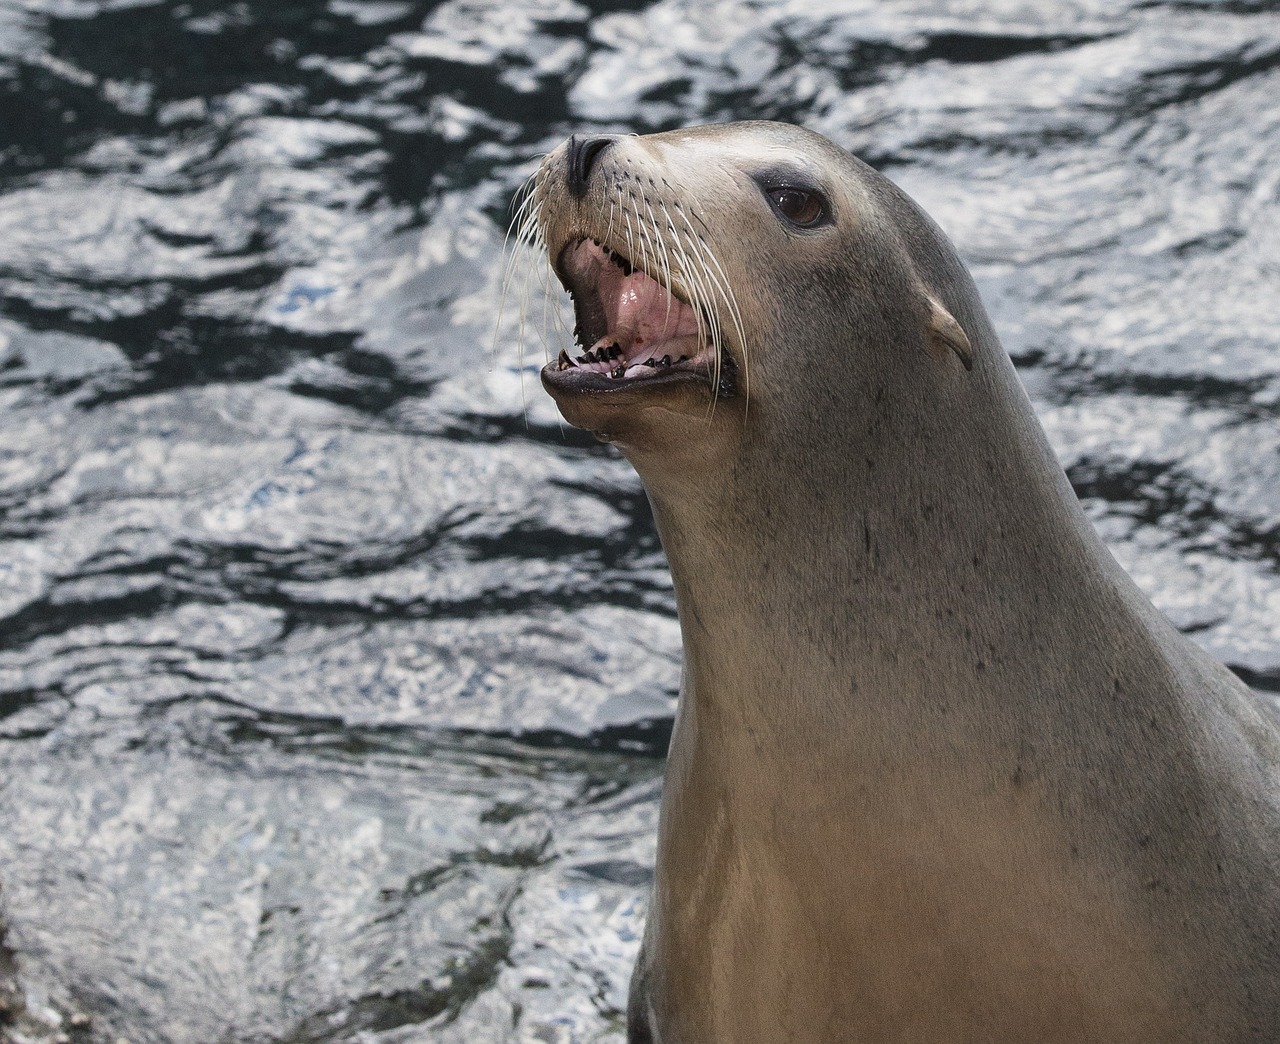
<point x="940" y="772"/>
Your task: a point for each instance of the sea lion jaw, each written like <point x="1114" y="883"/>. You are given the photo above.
<point x="627" y="321"/>
<point x="641" y="348"/>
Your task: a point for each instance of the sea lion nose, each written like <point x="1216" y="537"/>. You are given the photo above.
<point x="583" y="152"/>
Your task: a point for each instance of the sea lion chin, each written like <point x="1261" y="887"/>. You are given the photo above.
<point x="940" y="772"/>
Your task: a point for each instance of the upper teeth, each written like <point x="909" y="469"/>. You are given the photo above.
<point x="619" y="260"/>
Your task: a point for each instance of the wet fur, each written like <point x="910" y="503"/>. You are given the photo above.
<point x="940" y="772"/>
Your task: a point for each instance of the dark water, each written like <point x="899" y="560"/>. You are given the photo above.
<point x="335" y="673"/>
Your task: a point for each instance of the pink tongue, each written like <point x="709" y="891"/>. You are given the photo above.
<point x="643" y="314"/>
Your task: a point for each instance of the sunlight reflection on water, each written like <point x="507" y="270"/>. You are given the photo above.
<point x="334" y="671"/>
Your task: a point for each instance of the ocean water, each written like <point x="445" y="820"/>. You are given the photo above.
<point x="335" y="672"/>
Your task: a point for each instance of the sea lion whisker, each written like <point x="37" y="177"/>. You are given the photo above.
<point x="525" y="239"/>
<point x="725" y="288"/>
<point x="545" y="274"/>
<point x="665" y="261"/>
<point x="520" y="331"/>
<point x="661" y="262"/>
<point x="713" y="313"/>
<point x="521" y="204"/>
<point x="528" y="197"/>
<point x="697" y="263"/>
<point x="626" y="217"/>
<point x="735" y="315"/>
<point x="721" y="280"/>
<point x="692" y="276"/>
<point x="695" y="275"/>
<point x="530" y="233"/>
<point x="549" y="279"/>
<point x="708" y="314"/>
<point x="646" y="263"/>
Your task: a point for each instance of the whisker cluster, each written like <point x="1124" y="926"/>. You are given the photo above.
<point x="670" y="246"/>
<point x="526" y="230"/>
<point x="659" y="235"/>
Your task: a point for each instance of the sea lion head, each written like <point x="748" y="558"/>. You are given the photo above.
<point x="735" y="285"/>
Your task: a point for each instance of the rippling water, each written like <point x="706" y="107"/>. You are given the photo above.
<point x="335" y="673"/>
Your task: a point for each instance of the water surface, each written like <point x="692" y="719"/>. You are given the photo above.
<point x="335" y="673"/>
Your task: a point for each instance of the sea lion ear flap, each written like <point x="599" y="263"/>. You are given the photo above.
<point x="944" y="332"/>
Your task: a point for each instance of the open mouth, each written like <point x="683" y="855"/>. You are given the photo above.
<point x="629" y="326"/>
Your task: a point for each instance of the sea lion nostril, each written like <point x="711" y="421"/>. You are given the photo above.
<point x="582" y="154"/>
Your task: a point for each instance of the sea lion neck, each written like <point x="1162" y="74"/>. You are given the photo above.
<point x="854" y="559"/>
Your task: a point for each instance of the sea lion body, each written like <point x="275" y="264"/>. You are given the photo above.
<point x="940" y="771"/>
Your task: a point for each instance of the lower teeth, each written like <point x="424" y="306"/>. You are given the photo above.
<point x="612" y="351"/>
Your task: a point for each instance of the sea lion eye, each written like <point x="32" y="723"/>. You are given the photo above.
<point x="801" y="207"/>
